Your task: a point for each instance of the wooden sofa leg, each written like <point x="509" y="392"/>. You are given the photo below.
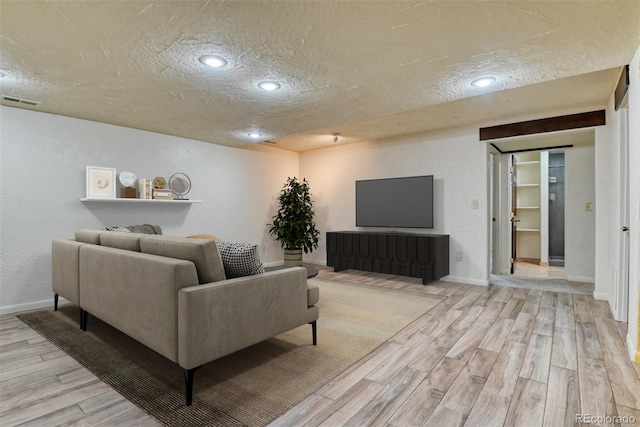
<point x="314" y="332"/>
<point x="188" y="382"/>
<point x="55" y="302"/>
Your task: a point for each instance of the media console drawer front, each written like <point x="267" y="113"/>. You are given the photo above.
<point x="412" y="255"/>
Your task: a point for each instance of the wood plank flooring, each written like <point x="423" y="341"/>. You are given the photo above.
<point x="484" y="356"/>
<point x="43" y="386"/>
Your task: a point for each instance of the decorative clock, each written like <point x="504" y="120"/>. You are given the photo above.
<point x="180" y="185"/>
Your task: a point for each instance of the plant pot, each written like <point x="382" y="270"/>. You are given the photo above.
<point x="293" y="256"/>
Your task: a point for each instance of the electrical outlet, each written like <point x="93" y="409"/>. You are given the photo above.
<point x="458" y="256"/>
<point x="588" y="206"/>
<point x="474" y="204"/>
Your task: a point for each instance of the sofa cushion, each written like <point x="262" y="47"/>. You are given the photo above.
<point x="119" y="240"/>
<point x="89" y="236"/>
<point x="203" y="253"/>
<point x="240" y="259"/>
<point x="313" y="294"/>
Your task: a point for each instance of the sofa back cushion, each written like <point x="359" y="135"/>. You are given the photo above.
<point x="89" y="236"/>
<point x="203" y="253"/>
<point x="119" y="240"/>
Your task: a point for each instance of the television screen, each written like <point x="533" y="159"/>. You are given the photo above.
<point x="395" y="202"/>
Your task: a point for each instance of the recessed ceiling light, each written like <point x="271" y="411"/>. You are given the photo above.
<point x="269" y="86"/>
<point x="483" y="82"/>
<point x="255" y="135"/>
<point x="213" y="61"/>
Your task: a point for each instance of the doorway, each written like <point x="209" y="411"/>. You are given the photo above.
<point x="577" y="147"/>
<point x="537" y="214"/>
<point x="556" y="209"/>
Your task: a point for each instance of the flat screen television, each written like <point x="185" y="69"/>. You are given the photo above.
<point x="395" y="202"/>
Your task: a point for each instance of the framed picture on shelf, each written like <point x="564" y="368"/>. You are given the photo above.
<point x="101" y="183"/>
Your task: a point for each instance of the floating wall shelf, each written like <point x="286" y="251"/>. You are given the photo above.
<point x="122" y="200"/>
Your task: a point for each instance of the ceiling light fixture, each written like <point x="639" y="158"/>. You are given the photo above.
<point x="255" y="135"/>
<point x="483" y="82"/>
<point x="335" y="136"/>
<point x="213" y="61"/>
<point x="269" y="86"/>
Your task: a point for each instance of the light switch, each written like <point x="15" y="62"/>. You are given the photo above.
<point x="588" y="206"/>
<point x="474" y="204"/>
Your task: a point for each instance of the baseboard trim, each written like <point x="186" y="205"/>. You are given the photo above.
<point x="634" y="355"/>
<point x="19" y="308"/>
<point x="465" y="280"/>
<point x="534" y="261"/>
<point x="581" y="279"/>
<point x="601" y="296"/>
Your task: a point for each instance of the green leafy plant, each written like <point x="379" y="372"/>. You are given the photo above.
<point x="293" y="225"/>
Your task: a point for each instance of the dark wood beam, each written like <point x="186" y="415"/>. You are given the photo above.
<point x="551" y="124"/>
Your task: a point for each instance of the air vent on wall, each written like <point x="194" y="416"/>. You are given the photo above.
<point x="16" y="100"/>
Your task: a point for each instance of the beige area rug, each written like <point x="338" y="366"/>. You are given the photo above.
<point x="253" y="386"/>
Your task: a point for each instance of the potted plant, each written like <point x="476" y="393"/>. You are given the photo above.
<point x="293" y="225"/>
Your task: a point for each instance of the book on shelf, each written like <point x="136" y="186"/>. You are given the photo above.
<point x="144" y="188"/>
<point x="162" y="194"/>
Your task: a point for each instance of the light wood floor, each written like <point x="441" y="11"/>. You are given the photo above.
<point x="484" y="356"/>
<point x="42" y="386"/>
<point x="534" y="270"/>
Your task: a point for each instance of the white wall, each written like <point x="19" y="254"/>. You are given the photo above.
<point x="456" y="158"/>
<point x="580" y="232"/>
<point x="608" y="208"/>
<point x="43" y="159"/>
<point x="633" y="337"/>
<point x="605" y="139"/>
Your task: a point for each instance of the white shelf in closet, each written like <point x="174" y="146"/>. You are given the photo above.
<point x="123" y="200"/>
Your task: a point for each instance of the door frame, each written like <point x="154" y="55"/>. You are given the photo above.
<point x="620" y="303"/>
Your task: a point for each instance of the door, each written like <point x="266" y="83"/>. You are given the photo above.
<point x="513" y="180"/>
<point x="495" y="214"/>
<point x="621" y="311"/>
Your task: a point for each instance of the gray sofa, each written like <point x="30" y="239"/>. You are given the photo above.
<point x="171" y="294"/>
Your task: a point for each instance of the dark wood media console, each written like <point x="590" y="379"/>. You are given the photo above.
<point x="405" y="254"/>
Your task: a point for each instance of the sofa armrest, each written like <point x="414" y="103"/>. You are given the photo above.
<point x="65" y="269"/>
<point x="220" y="318"/>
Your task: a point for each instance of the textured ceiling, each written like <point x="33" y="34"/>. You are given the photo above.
<point x="365" y="69"/>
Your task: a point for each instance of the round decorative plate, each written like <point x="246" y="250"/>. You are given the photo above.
<point x="180" y="184"/>
<point x="127" y="179"/>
